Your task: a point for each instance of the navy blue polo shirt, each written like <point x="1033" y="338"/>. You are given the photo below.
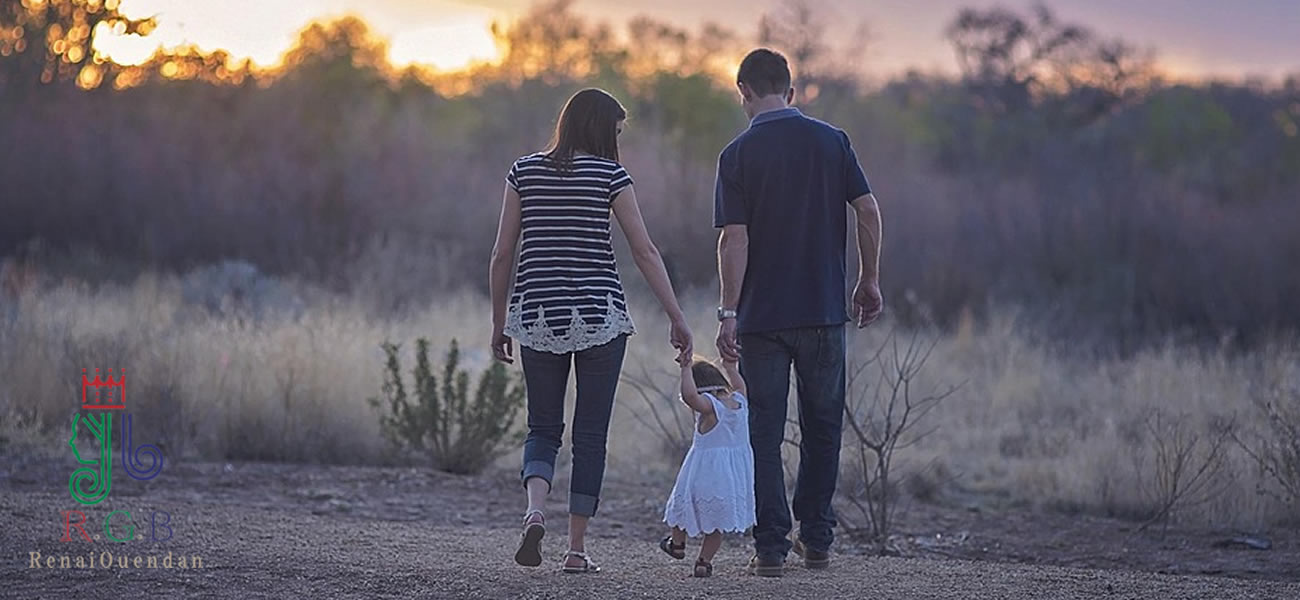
<point x="789" y="178"/>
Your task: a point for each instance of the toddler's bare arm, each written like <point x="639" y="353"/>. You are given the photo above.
<point x="732" y="370"/>
<point x="690" y="395"/>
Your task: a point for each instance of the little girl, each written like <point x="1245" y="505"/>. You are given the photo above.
<point x="715" y="488"/>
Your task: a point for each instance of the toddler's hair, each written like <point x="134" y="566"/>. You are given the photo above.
<point x="708" y="376"/>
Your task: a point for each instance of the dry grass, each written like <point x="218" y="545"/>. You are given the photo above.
<point x="1026" y="425"/>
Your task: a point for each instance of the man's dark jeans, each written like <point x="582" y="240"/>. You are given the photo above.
<point x="817" y="354"/>
<point x="547" y="377"/>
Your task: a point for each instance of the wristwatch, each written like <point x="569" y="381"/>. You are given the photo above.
<point x="726" y="313"/>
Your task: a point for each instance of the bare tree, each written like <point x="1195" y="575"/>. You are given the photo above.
<point x="798" y="30"/>
<point x="1012" y="58"/>
<point x="886" y="417"/>
<point x="1276" y="450"/>
<point x="1186" y="466"/>
<point x="662" y="411"/>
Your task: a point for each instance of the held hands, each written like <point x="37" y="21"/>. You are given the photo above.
<point x="683" y="361"/>
<point x="728" y="347"/>
<point x="867" y="302"/>
<point x="679" y="333"/>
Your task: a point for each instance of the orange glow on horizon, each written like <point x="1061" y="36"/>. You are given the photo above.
<point x="452" y="36"/>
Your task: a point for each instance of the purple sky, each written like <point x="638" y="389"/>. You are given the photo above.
<point x="1191" y="37"/>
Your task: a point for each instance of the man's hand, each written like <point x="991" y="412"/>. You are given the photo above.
<point x="728" y="347"/>
<point x="867" y="303"/>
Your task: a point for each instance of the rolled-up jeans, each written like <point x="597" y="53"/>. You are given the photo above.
<point x="547" y="377"/>
<point x="817" y="354"/>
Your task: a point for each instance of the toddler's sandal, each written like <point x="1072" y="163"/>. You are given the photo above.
<point x="671" y="549"/>
<point x="703" y="568"/>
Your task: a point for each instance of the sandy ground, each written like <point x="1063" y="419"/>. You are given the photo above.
<point x="287" y="531"/>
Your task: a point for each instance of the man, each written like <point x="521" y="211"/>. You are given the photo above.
<point x="783" y="191"/>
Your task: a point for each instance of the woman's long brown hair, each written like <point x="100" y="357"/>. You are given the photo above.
<point x="588" y="123"/>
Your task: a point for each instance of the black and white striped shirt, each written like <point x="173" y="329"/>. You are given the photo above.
<point x="567" y="295"/>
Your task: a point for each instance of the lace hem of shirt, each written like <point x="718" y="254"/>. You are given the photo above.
<point x="578" y="334"/>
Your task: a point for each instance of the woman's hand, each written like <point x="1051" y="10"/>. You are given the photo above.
<point x="680" y="335"/>
<point x="502" y="347"/>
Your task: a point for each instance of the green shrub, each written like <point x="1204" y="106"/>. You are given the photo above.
<point x="439" y="419"/>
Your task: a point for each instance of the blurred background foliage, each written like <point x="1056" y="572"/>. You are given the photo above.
<point x="1060" y="173"/>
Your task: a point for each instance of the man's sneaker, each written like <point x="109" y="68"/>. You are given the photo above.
<point x="767" y="567"/>
<point x="812" y="559"/>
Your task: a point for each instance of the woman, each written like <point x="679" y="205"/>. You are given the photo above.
<point x="568" y="305"/>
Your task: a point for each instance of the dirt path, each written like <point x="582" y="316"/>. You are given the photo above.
<point x="277" y="531"/>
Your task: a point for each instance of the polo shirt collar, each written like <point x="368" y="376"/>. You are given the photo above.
<point x="773" y="115"/>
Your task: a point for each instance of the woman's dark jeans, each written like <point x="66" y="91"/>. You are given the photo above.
<point x="547" y="377"/>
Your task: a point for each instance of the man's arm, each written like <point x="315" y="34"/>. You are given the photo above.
<point x="867" y="302"/>
<point x="731" y="214"/>
<point x="733" y="260"/>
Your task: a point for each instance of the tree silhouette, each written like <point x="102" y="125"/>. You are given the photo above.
<point x="337" y="54"/>
<point x="1011" y="59"/>
<point x="801" y="32"/>
<point x="553" y="44"/>
<point x="53" y="41"/>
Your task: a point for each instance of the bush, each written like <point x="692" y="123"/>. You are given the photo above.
<point x="882" y="417"/>
<point x="459" y="435"/>
<point x="1186" y="467"/>
<point x="663" y="413"/>
<point x="1276" y="449"/>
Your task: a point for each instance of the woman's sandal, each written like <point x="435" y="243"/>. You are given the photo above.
<point x="587" y="565"/>
<point x="671" y="549"/>
<point x="703" y="568"/>
<point x="529" y="553"/>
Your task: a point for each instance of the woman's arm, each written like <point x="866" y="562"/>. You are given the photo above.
<point x="732" y="370"/>
<point x="651" y="265"/>
<point x="499" y="271"/>
<point x="690" y="395"/>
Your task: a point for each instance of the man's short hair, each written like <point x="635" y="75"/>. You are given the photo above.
<point x="765" y="71"/>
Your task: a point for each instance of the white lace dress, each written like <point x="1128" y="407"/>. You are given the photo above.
<point x="715" y="487"/>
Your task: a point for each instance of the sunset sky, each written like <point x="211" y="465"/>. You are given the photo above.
<point x="1191" y="37"/>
